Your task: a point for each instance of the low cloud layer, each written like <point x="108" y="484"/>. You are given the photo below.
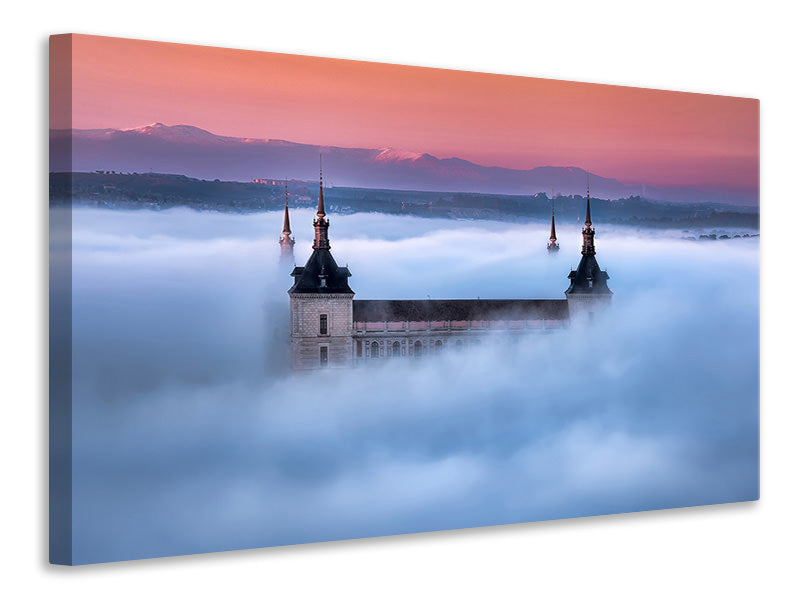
<point x="188" y="438"/>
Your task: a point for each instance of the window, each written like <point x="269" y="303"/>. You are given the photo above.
<point x="396" y="349"/>
<point x="437" y="347"/>
<point x="374" y="351"/>
<point x="323" y="324"/>
<point x="417" y="348"/>
<point x="323" y="356"/>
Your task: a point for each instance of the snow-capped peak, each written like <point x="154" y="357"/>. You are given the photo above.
<point x="176" y="132"/>
<point x="394" y="155"/>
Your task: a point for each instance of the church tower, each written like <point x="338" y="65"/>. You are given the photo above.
<point x="286" y="241"/>
<point x="321" y="304"/>
<point x="552" y="245"/>
<point x="588" y="290"/>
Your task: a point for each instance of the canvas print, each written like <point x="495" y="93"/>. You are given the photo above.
<point x="299" y="299"/>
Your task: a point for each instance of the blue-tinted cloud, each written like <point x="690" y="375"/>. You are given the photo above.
<point x="187" y="441"/>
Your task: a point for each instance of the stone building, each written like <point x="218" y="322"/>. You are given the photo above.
<point x="331" y="329"/>
<point x="321" y="305"/>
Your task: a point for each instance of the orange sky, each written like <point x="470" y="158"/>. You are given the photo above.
<point x="632" y="134"/>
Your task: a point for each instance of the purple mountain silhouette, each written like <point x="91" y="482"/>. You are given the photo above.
<point x="195" y="152"/>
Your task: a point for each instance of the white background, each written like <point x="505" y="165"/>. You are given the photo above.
<point x="734" y="48"/>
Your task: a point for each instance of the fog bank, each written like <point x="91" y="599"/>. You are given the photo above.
<point x="186" y="440"/>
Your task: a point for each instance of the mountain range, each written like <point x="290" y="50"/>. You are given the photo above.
<point x="195" y="152"/>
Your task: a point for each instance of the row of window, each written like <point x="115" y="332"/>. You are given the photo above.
<point x="373" y="349"/>
<point x="323" y="324"/>
<point x="365" y="326"/>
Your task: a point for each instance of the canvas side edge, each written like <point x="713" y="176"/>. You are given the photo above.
<point x="60" y="308"/>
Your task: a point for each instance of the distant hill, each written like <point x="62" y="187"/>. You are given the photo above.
<point x="158" y="191"/>
<point x="201" y="154"/>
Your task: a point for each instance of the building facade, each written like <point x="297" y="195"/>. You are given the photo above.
<point x="329" y="328"/>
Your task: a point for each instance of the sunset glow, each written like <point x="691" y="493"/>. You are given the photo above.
<point x="632" y="134"/>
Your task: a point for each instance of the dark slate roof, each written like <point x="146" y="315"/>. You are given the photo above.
<point x="458" y="310"/>
<point x="307" y="279"/>
<point x="588" y="278"/>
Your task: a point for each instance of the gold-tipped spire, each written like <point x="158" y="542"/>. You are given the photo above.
<point x="287" y="230"/>
<point x="321" y="224"/>
<point x="588" y="208"/>
<point x="321" y="202"/>
<point x="552" y="246"/>
<point x="588" y="230"/>
<point x="286" y="241"/>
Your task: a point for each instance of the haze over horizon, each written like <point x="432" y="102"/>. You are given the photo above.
<point x="198" y="153"/>
<point x="634" y="135"/>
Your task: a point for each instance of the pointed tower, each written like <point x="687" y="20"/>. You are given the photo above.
<point x="286" y="241"/>
<point x="321" y="304"/>
<point x="552" y="245"/>
<point x="588" y="290"/>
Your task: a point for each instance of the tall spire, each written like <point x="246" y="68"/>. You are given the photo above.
<point x="588" y="230"/>
<point x="321" y="274"/>
<point x="588" y="209"/>
<point x="286" y="241"/>
<point x="287" y="230"/>
<point x="321" y="223"/>
<point x="321" y="202"/>
<point x="553" y="245"/>
<point x="588" y="280"/>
